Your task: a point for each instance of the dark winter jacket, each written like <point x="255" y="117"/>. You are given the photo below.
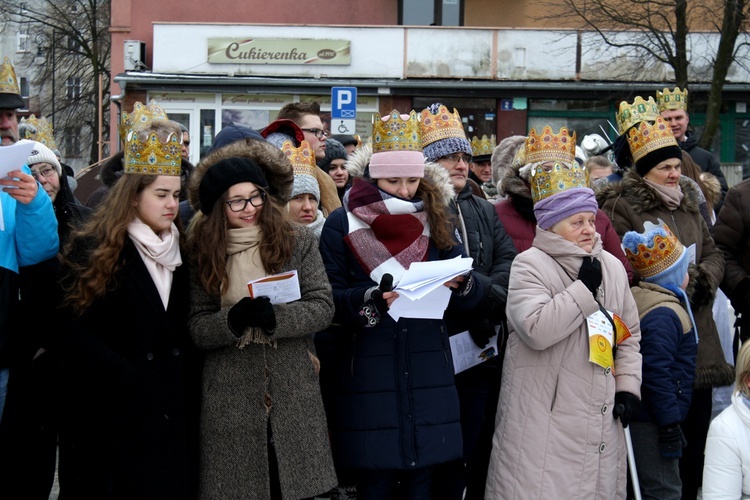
<point x="732" y="235"/>
<point x="632" y="202"/>
<point x="130" y="427"/>
<point x="668" y="348"/>
<point x="705" y="160"/>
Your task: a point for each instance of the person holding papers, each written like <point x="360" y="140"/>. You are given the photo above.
<point x="263" y="428"/>
<point x="572" y="365"/>
<point x="392" y="406"/>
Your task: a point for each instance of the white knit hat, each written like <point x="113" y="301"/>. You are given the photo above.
<point x="43" y="154"/>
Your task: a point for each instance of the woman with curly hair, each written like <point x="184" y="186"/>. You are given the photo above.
<point x="263" y="429"/>
<point x="130" y="429"/>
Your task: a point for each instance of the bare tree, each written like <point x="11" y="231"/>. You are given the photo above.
<point x="71" y="43"/>
<point x="657" y="30"/>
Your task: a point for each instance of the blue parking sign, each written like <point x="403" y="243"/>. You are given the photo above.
<point x="344" y="103"/>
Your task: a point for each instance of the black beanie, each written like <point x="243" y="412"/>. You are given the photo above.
<point x="225" y="174"/>
<point x="645" y="164"/>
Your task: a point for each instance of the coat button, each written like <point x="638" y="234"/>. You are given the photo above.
<point x="607" y="370"/>
<point x="602" y="447"/>
<point x="176" y="351"/>
<point x="150" y="356"/>
<point x="413" y="464"/>
<point x="604" y="410"/>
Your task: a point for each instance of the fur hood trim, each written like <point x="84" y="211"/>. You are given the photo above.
<point x="502" y="159"/>
<point x="644" y="198"/>
<point x="276" y="168"/>
<point x="433" y="172"/>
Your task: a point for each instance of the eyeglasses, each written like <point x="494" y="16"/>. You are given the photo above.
<point x="454" y="159"/>
<point x="241" y="204"/>
<point x="46" y="173"/>
<point x="318" y="133"/>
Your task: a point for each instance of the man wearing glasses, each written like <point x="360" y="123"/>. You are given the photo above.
<point x="482" y="235"/>
<point x="307" y="117"/>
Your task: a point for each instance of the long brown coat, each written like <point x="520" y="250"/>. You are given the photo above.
<point x="732" y="235"/>
<point x="556" y="436"/>
<point x="632" y="202"/>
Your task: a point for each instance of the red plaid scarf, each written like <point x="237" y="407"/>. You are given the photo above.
<point x="386" y="233"/>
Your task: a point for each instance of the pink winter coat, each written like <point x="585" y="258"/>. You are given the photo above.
<point x="555" y="435"/>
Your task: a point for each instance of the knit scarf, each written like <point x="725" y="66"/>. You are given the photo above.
<point x="316" y="226"/>
<point x="386" y="233"/>
<point x="160" y="253"/>
<point x="243" y="264"/>
<point x="670" y="196"/>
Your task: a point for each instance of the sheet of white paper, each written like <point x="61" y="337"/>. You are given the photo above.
<point x="430" y="306"/>
<point x="14" y="157"/>
<point x="691" y="253"/>
<point x="280" y="291"/>
<point x="466" y="354"/>
<point x="423" y="277"/>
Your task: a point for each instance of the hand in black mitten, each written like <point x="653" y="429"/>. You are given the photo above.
<point x="671" y="441"/>
<point x="627" y="406"/>
<point x="375" y="306"/>
<point x="590" y="274"/>
<point x="481" y="331"/>
<point x="252" y="312"/>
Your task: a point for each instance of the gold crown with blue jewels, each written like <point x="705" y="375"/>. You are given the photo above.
<point x="546" y="182"/>
<point x="630" y="114"/>
<point x="675" y="99"/>
<point x="483" y="146"/>
<point x="145" y="151"/>
<point x="140" y="117"/>
<point x="396" y="133"/>
<point x="550" y="147"/>
<point x="443" y="125"/>
<point x="44" y="132"/>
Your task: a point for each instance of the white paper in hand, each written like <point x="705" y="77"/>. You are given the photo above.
<point x="280" y="288"/>
<point x="14" y="156"/>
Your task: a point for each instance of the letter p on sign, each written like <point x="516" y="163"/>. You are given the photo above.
<point x="344" y="102"/>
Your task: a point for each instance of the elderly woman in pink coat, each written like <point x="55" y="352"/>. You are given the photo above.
<point x="563" y="385"/>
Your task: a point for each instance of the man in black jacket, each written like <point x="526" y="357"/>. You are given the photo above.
<point x="480" y="232"/>
<point x="673" y="108"/>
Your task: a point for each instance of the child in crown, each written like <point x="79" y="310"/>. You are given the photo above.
<point x="669" y="343"/>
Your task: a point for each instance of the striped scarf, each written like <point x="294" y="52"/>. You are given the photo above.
<point x="386" y="233"/>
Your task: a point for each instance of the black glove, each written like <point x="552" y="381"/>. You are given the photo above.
<point x="627" y="406"/>
<point x="481" y="331"/>
<point x="590" y="274"/>
<point x="375" y="306"/>
<point x="671" y="441"/>
<point x="252" y="312"/>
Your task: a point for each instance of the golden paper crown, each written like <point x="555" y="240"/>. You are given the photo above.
<point x="443" y="125"/>
<point x="301" y="158"/>
<point x="677" y="99"/>
<point x="44" y="132"/>
<point x="396" y="132"/>
<point x="140" y="117"/>
<point x="639" y="111"/>
<point x="645" y="138"/>
<point x="8" y="80"/>
<point x="560" y="147"/>
<point x="483" y="146"/>
<point x="654" y="251"/>
<point x="547" y="182"/>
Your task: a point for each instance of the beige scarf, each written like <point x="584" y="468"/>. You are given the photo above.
<point x="671" y="197"/>
<point x="160" y="254"/>
<point x="244" y="264"/>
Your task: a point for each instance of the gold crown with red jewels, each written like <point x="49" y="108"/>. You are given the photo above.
<point x="546" y="182"/>
<point x="44" y="132"/>
<point x="396" y="133"/>
<point x="301" y="158"/>
<point x="8" y="80"/>
<point x="443" y="125"/>
<point x="654" y="252"/>
<point x="140" y="117"/>
<point x="646" y="138"/>
<point x="676" y="99"/>
<point x="560" y="147"/>
<point x="154" y="155"/>
<point x="483" y="146"/>
<point x="630" y="114"/>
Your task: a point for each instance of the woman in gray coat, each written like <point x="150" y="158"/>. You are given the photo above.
<point x="263" y="428"/>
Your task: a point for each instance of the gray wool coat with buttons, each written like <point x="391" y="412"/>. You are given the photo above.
<point x="238" y="384"/>
<point x="555" y="434"/>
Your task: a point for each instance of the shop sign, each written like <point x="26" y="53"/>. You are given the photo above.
<point x="278" y="51"/>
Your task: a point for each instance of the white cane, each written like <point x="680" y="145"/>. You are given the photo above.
<point x="631" y="465"/>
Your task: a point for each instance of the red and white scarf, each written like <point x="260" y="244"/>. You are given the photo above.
<point x="386" y="233"/>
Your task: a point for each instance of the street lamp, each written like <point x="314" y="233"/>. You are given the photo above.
<point x="40" y="59"/>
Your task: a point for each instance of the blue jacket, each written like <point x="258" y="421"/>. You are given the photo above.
<point x="390" y="394"/>
<point x="29" y="237"/>
<point x="668" y="348"/>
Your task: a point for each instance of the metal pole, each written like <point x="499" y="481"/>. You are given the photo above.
<point x="99" y="124"/>
<point x="631" y="465"/>
<point x="54" y="46"/>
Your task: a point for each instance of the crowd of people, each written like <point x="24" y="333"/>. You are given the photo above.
<point x="236" y="329"/>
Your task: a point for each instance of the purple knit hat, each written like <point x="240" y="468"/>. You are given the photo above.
<point x="562" y="205"/>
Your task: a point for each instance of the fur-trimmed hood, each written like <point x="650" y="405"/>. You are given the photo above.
<point x="644" y="198"/>
<point x="276" y="168"/>
<point x="504" y="174"/>
<point x="433" y="172"/>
